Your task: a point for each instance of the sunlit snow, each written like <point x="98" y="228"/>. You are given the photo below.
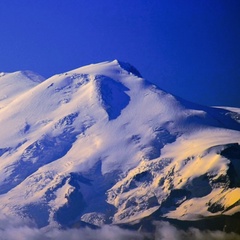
<point x="102" y="141"/>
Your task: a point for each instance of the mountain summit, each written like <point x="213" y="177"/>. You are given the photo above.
<point x="101" y="145"/>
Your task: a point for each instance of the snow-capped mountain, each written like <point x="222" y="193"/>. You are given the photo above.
<point x="101" y="145"/>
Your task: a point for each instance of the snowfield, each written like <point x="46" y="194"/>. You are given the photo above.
<point x="101" y="145"/>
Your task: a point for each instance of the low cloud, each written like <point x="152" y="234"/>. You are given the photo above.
<point x="165" y="231"/>
<point x="12" y="229"/>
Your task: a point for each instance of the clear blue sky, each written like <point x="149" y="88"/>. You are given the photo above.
<point x="190" y="48"/>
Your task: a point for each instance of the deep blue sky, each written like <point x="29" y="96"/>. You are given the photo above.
<point x="190" y="48"/>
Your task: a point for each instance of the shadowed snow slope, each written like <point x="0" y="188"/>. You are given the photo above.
<point x="100" y="144"/>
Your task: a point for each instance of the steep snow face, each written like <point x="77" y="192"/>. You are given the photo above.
<point x="100" y="144"/>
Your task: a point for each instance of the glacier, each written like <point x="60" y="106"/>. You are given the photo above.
<point x="101" y="145"/>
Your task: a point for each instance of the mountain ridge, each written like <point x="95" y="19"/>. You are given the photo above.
<point x="100" y="142"/>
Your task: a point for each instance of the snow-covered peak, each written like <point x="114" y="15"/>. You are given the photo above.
<point x="23" y="75"/>
<point x="101" y="142"/>
<point x="35" y="77"/>
<point x="14" y="84"/>
<point x="110" y="69"/>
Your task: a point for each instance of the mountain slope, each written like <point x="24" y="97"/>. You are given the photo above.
<point x="14" y="84"/>
<point x="102" y="145"/>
